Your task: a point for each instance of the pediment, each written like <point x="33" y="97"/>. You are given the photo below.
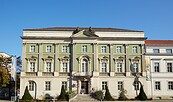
<point x="84" y="33"/>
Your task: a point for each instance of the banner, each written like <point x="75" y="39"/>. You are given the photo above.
<point x="148" y="65"/>
<point x="13" y="68"/>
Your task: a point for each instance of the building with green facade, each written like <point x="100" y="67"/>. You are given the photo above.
<point x="82" y="60"/>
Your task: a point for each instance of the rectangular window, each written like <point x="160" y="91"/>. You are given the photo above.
<point x="64" y="48"/>
<point x="47" y="85"/>
<point x="156" y="51"/>
<point x="170" y="85"/>
<point x="169" y="67"/>
<point x="64" y="67"/>
<point x="64" y="84"/>
<point x="135" y="49"/>
<point x="48" y="67"/>
<point x="32" y="48"/>
<point x="31" y="86"/>
<point x="104" y="67"/>
<point x="103" y="49"/>
<point x="119" y="49"/>
<point x="120" y="85"/>
<point x="32" y="67"/>
<point x="135" y="66"/>
<point x="48" y="48"/>
<point x="168" y="51"/>
<point x="157" y="85"/>
<point x="156" y="67"/>
<point x="119" y="67"/>
<point x="84" y="48"/>
<point x="104" y="84"/>
<point x="136" y="85"/>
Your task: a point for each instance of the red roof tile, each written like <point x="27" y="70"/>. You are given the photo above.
<point x="159" y="42"/>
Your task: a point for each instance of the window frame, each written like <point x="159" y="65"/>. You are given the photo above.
<point x="136" y="67"/>
<point x="156" y="68"/>
<point x="47" y="85"/>
<point x="48" y="66"/>
<point x="119" y="49"/>
<point x="169" y="51"/>
<point x="84" y="48"/>
<point x="48" y="48"/>
<point x="64" y="49"/>
<point x="104" y="84"/>
<point x="119" y="67"/>
<point x="170" y="85"/>
<point x="120" y="85"/>
<point x="64" y="83"/>
<point x="169" y="68"/>
<point x="157" y="85"/>
<point x="104" y="67"/>
<point x="32" y="48"/>
<point x="32" y="67"/>
<point x="156" y="51"/>
<point x="135" y="49"/>
<point x="31" y="86"/>
<point x="64" y="67"/>
<point x="103" y="49"/>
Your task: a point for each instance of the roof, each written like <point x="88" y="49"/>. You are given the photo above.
<point x="159" y="42"/>
<point x="81" y="28"/>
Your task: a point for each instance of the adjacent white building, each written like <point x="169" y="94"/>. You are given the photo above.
<point x="159" y="63"/>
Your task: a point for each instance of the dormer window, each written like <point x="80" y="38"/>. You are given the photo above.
<point x="156" y="51"/>
<point x="168" y="51"/>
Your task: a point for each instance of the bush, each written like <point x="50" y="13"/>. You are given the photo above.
<point x="98" y="95"/>
<point x="108" y="96"/>
<point x="142" y="96"/>
<point x="122" y="95"/>
<point x="27" y="95"/>
<point x="47" y="96"/>
<point x="63" y="95"/>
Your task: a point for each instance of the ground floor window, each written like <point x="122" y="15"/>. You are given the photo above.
<point x="31" y="86"/>
<point x="157" y="85"/>
<point x="104" y="84"/>
<point x="120" y="85"/>
<point x="136" y="85"/>
<point x="47" y="85"/>
<point x="64" y="84"/>
<point x="170" y="85"/>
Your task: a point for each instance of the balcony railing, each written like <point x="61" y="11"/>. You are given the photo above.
<point x="64" y="74"/>
<point x="83" y="74"/>
<point x="31" y="73"/>
<point x="47" y="74"/>
<point x="104" y="74"/>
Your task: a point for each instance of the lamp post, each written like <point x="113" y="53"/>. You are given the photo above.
<point x="35" y="87"/>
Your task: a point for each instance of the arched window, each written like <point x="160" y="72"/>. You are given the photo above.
<point x="84" y="65"/>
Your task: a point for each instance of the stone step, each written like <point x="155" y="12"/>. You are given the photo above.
<point x="83" y="98"/>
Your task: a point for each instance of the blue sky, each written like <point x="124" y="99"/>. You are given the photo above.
<point x="154" y="17"/>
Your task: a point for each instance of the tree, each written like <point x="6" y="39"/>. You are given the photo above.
<point x="63" y="95"/>
<point x="142" y="96"/>
<point x="27" y="95"/>
<point x="4" y="77"/>
<point x="108" y="96"/>
<point x="122" y="95"/>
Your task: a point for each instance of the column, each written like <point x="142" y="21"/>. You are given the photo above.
<point x="95" y="73"/>
<point x="23" y="59"/>
<point x="143" y="60"/>
<point x="56" y="73"/>
<point x="111" y="60"/>
<point x="73" y="61"/>
<point x="40" y="49"/>
<point x="127" y="60"/>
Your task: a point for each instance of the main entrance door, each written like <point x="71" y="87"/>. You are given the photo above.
<point x="84" y="87"/>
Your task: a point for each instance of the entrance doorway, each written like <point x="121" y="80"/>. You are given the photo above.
<point x="84" y="87"/>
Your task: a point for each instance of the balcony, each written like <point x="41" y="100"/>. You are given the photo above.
<point x="83" y="74"/>
<point x="104" y="74"/>
<point x="31" y="73"/>
<point x="47" y="74"/>
<point x="64" y="74"/>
